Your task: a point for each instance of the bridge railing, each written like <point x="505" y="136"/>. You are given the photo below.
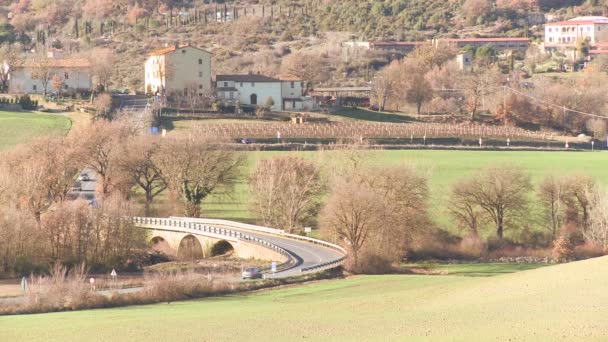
<point x="191" y="227"/>
<point x="278" y="232"/>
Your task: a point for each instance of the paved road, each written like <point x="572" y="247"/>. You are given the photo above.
<point x="85" y="186"/>
<point x="307" y="254"/>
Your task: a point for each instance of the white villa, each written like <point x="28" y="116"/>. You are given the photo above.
<point x="76" y="73"/>
<point x="287" y="93"/>
<point x="178" y="69"/>
<point x="566" y="33"/>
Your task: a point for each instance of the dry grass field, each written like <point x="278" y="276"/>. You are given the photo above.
<point x="562" y="302"/>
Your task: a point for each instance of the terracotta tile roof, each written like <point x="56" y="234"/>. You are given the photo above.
<point x="57" y="63"/>
<point x="488" y="40"/>
<point x="245" y="78"/>
<point x="396" y="43"/>
<point x="169" y="49"/>
<point x="576" y="22"/>
<point x="580" y="21"/>
<point x="289" y="78"/>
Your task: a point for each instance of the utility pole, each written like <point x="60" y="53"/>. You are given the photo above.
<point x="504" y="99"/>
<point x="564" y="119"/>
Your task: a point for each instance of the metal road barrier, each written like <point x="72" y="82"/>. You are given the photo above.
<point x="280" y="233"/>
<point x="226" y="228"/>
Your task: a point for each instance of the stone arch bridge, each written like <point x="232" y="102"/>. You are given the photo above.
<point x="294" y="254"/>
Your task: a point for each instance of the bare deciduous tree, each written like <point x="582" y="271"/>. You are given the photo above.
<point x="40" y="174"/>
<point x="597" y="233"/>
<point x="285" y="192"/>
<point x="351" y="214"/>
<point x="101" y="147"/>
<point x="376" y="213"/>
<point x="383" y="85"/>
<point x="429" y="55"/>
<point x="194" y="168"/>
<point x="310" y="68"/>
<point x="550" y="193"/>
<point x="577" y="197"/>
<point x="500" y="191"/>
<point x="465" y="209"/>
<point x="103" y="105"/>
<point x="139" y="161"/>
<point x="477" y="85"/>
<point x="57" y="83"/>
<point x="102" y="61"/>
<point x="8" y="60"/>
<point x="419" y="91"/>
<point x="41" y="67"/>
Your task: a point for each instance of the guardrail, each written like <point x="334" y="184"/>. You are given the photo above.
<point x="195" y="227"/>
<point x="277" y="232"/>
<point x="218" y="222"/>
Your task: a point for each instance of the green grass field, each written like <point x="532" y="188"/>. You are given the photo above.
<point x="444" y="168"/>
<point x="564" y="302"/>
<point x="20" y="127"/>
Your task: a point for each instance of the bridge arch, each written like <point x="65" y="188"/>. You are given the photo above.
<point x="221" y="247"/>
<point x="159" y="244"/>
<point x="190" y="248"/>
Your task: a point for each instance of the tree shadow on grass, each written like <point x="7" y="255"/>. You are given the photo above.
<point x="368" y="115"/>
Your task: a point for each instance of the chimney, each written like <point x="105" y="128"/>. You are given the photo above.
<point x="176" y="45"/>
<point x="258" y="72"/>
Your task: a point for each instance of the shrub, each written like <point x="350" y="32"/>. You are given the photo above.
<point x="26" y="102"/>
<point x="563" y="248"/>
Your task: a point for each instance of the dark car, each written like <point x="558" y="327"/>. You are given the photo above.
<point x="247" y="141"/>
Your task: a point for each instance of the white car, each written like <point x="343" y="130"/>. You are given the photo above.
<point x="251" y="273"/>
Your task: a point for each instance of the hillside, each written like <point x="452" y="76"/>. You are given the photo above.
<point x="266" y="31"/>
<point x="564" y="302"/>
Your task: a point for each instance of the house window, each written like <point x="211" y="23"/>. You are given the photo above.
<point x="225" y="84"/>
<point x="231" y="96"/>
<point x="253" y="84"/>
<point x="200" y="61"/>
<point x="200" y="86"/>
<point x="549" y="29"/>
<point x="200" y="74"/>
<point x="293" y="84"/>
<point x="65" y="86"/>
<point x="34" y="87"/>
<point x="66" y="75"/>
<point x="183" y="51"/>
<point x="241" y="84"/>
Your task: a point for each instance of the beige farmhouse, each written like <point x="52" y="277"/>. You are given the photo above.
<point x="178" y="69"/>
<point x="76" y="74"/>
